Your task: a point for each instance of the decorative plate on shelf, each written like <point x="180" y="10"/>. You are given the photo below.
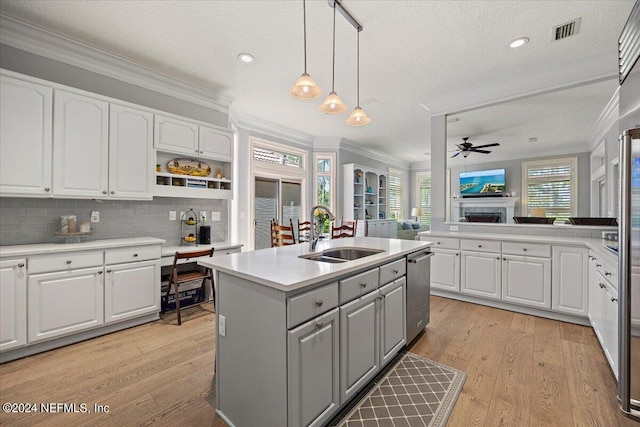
<point x="190" y="167"/>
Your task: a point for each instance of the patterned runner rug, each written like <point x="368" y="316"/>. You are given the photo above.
<point x="414" y="392"/>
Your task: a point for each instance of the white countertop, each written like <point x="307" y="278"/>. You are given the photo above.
<point x="281" y="268"/>
<point x="597" y="245"/>
<point x="49" y="248"/>
<point x="218" y="246"/>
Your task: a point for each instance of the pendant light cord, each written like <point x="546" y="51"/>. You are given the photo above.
<point x="358" y="72"/>
<point x="304" y="26"/>
<point x="333" y="70"/>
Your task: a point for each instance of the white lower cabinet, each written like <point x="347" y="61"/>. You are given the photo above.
<point x="526" y="280"/>
<point x="569" y="276"/>
<point x="13" y="304"/>
<point x="131" y="290"/>
<point x="314" y="370"/>
<point x="64" y="302"/>
<point x="480" y="274"/>
<point x="445" y="269"/>
<point x="359" y="357"/>
<point x="392" y="319"/>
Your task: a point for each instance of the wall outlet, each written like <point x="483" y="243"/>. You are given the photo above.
<point x="172" y="215"/>
<point x="203" y="215"/>
<point x="222" y="326"/>
<point x="95" y="216"/>
<point x="453" y="228"/>
<point x="215" y="216"/>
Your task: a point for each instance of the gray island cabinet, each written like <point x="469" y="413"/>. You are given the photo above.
<point x="297" y="338"/>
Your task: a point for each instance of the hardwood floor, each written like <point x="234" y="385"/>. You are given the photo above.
<point x="522" y="370"/>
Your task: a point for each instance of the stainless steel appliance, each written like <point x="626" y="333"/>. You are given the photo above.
<point x="418" y="290"/>
<point x="629" y="228"/>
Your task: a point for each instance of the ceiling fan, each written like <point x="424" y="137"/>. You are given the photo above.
<point x="466" y="148"/>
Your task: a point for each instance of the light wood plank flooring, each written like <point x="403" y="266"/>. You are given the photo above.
<point x="522" y="370"/>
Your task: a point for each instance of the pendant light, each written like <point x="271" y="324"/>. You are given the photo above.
<point x="305" y="87"/>
<point x="358" y="117"/>
<point x="333" y="104"/>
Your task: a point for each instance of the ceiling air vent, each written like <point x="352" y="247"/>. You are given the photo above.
<point x="566" y="30"/>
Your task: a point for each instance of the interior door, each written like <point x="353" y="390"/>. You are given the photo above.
<point x="290" y="203"/>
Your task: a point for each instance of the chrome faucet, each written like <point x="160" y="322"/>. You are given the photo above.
<point x="313" y="239"/>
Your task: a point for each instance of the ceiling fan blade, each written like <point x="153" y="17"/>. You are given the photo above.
<point x="480" y="151"/>
<point x="487" y="145"/>
<point x="455" y="155"/>
<point x="461" y="146"/>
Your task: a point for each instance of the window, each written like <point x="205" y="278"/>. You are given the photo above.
<point x="551" y="185"/>
<point x="276" y="157"/>
<point x="324" y="179"/>
<point x="423" y="184"/>
<point x="395" y="194"/>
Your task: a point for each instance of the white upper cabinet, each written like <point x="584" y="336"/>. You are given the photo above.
<point x="80" y="146"/>
<point x="185" y="137"/>
<point x="25" y="138"/>
<point x="175" y="135"/>
<point x="131" y="156"/>
<point x="215" y="143"/>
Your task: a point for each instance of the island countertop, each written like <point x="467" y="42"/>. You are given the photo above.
<point x="281" y="268"/>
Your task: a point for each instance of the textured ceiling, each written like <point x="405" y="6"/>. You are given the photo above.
<point x="412" y="52"/>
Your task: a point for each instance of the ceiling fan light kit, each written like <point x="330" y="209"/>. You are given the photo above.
<point x="306" y="88"/>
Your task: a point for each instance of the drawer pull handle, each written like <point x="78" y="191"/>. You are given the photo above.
<point x="319" y="303"/>
<point x="21" y="264"/>
<point x="100" y="272"/>
<point x="135" y="255"/>
<point x="457" y="254"/>
<point x="498" y="258"/>
<point x="109" y="271"/>
<point x="606" y="273"/>
<point x="614" y="299"/>
<point x="524" y="249"/>
<point x="598" y="265"/>
<point x="104" y="192"/>
<point x="395" y="271"/>
<point x="113" y="192"/>
<point x="438" y="243"/>
<point x="68" y="261"/>
<point x="601" y="285"/>
<point x="479" y="246"/>
<point x="363" y="285"/>
<point x="319" y="325"/>
<point x="47" y="189"/>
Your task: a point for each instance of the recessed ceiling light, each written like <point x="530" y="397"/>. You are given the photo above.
<point x="246" y="58"/>
<point x="519" y="42"/>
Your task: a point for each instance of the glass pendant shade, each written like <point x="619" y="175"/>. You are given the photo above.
<point x="333" y="104"/>
<point x="358" y="118"/>
<point x="305" y="88"/>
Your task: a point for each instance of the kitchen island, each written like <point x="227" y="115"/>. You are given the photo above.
<point x="297" y="338"/>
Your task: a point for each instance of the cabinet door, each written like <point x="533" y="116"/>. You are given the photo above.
<point x="13" y="304"/>
<point x="131" y="160"/>
<point x="610" y="323"/>
<point x="80" y="146"/>
<point x="131" y="290"/>
<point x="594" y="291"/>
<point x="64" y="302"/>
<point x="392" y="319"/>
<point x="313" y="371"/>
<point x="359" y="361"/>
<point x="526" y="280"/>
<point x="25" y="138"/>
<point x="175" y="135"/>
<point x="569" y="280"/>
<point x="215" y="143"/>
<point x="445" y="270"/>
<point x="480" y="274"/>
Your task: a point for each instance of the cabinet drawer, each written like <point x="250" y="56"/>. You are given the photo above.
<point x="480" y="245"/>
<point x="445" y="243"/>
<point x="310" y="304"/>
<point x="608" y="271"/>
<point x="68" y="261"/>
<point x="136" y="253"/>
<point x="393" y="270"/>
<point x="526" y="249"/>
<point x="358" y="285"/>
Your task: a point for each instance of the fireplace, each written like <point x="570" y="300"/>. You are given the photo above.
<point x="483" y="216"/>
<point x="484" y="209"/>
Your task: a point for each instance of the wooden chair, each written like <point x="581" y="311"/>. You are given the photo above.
<point x="533" y="220"/>
<point x="345" y="230"/>
<point x="304" y="231"/>
<point x="602" y="221"/>
<point x="179" y="277"/>
<point x="282" y="235"/>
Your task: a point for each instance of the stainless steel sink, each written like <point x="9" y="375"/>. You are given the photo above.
<point x="341" y="254"/>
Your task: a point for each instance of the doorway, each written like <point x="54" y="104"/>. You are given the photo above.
<point x="274" y="199"/>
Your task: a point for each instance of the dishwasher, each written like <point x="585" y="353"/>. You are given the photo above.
<point x="418" y="289"/>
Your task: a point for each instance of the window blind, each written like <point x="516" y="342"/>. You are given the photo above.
<point x="424" y="196"/>
<point x="550" y="186"/>
<point x="394" y="186"/>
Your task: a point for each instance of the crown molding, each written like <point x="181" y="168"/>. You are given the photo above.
<point x="268" y="129"/>
<point x="325" y="143"/>
<point x="523" y="155"/>
<point x="372" y="154"/>
<point x="595" y="68"/>
<point x="28" y="37"/>
<point x="607" y="119"/>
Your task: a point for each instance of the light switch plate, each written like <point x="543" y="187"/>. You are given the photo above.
<point x="95" y="216"/>
<point x="453" y="228"/>
<point x="222" y="326"/>
<point x="215" y="216"/>
<point x="203" y="215"/>
<point x="172" y="215"/>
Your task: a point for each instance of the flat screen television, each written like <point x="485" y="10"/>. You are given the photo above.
<point x="490" y="182"/>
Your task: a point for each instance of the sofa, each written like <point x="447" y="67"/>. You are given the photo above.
<point x="408" y="229"/>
